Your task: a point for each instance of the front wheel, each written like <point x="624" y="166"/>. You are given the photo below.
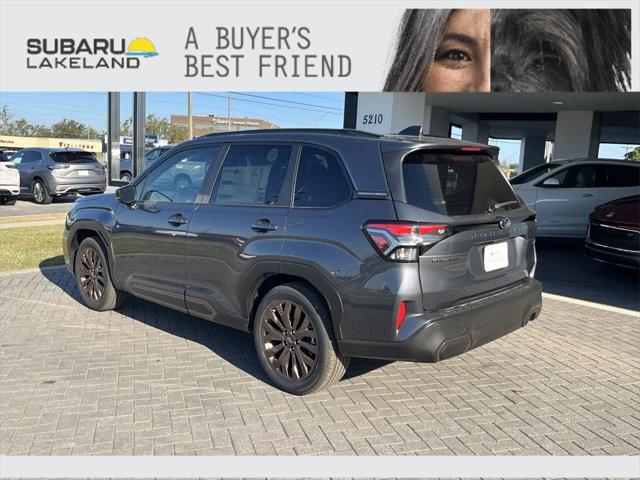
<point x="294" y="340"/>
<point x="93" y="279"/>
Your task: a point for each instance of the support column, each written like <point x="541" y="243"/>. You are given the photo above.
<point x="113" y="138"/>
<point x="139" y="119"/>
<point x="577" y="134"/>
<point x="475" y="132"/>
<point x="532" y="151"/>
<point x="435" y="121"/>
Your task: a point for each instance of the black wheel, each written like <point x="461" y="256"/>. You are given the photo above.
<point x="40" y="193"/>
<point x="125" y="177"/>
<point x="93" y="279"/>
<point x="294" y="340"/>
<point x="6" y="200"/>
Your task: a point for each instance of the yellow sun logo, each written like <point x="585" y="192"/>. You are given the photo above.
<point x="142" y="47"/>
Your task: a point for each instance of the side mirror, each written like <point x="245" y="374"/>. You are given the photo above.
<point x="551" y="182"/>
<point x="126" y="194"/>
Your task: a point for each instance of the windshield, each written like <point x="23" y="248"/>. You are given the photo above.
<point x="533" y="173"/>
<point x="73" y="157"/>
<point x="456" y="184"/>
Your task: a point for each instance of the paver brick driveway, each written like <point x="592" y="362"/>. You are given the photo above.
<point x="148" y="380"/>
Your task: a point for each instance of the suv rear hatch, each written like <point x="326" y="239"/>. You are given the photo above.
<point x="76" y="166"/>
<point x="485" y="244"/>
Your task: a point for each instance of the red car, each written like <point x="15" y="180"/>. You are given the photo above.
<point x="614" y="233"/>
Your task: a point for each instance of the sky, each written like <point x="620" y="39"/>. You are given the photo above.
<point x="283" y="109"/>
<point x="290" y="109"/>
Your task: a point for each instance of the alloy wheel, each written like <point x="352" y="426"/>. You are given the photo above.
<point x="289" y="340"/>
<point x="92" y="275"/>
<point x="38" y="192"/>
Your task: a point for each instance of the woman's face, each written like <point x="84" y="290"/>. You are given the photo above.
<point x="463" y="58"/>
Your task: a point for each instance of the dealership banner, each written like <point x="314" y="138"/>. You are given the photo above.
<point x="314" y="45"/>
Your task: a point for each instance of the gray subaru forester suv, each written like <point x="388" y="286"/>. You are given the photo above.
<point x="325" y="244"/>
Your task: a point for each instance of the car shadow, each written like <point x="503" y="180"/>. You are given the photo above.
<point x="234" y="346"/>
<point x="564" y="269"/>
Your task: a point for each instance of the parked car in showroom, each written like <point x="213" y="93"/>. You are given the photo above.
<point x="51" y="172"/>
<point x="563" y="193"/>
<point x="9" y="181"/>
<point x="614" y="233"/>
<point x="126" y="163"/>
<point x="325" y="244"/>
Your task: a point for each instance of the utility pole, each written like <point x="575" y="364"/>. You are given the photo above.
<point x="228" y="112"/>
<point x="190" y="115"/>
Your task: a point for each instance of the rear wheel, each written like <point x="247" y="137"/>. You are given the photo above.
<point x="93" y="279"/>
<point x="294" y="340"/>
<point x="125" y="177"/>
<point x="40" y="193"/>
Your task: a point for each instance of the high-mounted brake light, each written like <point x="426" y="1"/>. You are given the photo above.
<point x="402" y="241"/>
<point x="470" y="149"/>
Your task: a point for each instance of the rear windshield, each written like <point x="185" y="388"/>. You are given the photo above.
<point x="73" y="157"/>
<point x="533" y="173"/>
<point x="452" y="184"/>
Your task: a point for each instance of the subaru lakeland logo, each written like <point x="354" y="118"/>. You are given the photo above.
<point x="88" y="53"/>
<point x="505" y="223"/>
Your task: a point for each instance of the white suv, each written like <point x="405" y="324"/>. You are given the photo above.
<point x="564" y="192"/>
<point x="9" y="181"/>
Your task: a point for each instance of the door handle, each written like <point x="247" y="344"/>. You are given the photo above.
<point x="177" y="219"/>
<point x="264" y="225"/>
<point x="586" y="195"/>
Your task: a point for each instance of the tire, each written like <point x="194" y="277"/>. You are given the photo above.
<point x="40" y="193"/>
<point x="329" y="365"/>
<point x="6" y="200"/>
<point x="93" y="279"/>
<point x="125" y="177"/>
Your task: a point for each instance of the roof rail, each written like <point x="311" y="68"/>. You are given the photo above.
<point x="331" y="131"/>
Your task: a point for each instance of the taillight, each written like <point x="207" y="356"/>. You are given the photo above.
<point x="403" y="242"/>
<point x="57" y="167"/>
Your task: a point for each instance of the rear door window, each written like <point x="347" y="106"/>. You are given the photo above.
<point x="31" y="157"/>
<point x="320" y="181"/>
<point x="619" y="176"/>
<point x="455" y="184"/>
<point x="252" y="175"/>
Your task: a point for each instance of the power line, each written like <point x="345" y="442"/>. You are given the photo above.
<point x="286" y="101"/>
<point x="268" y="103"/>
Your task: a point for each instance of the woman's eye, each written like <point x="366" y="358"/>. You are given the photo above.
<point x="455" y="56"/>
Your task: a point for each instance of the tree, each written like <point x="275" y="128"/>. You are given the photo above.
<point x="633" y="154"/>
<point x="64" y="128"/>
<point x="73" y="129"/>
<point x="177" y="134"/>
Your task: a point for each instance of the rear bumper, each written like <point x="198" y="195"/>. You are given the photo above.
<point x="455" y="330"/>
<point x="94" y="187"/>
<point x="601" y="253"/>
<point x="10" y="190"/>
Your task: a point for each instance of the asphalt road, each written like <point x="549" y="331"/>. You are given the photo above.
<point x="26" y="206"/>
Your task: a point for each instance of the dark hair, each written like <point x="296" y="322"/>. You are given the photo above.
<point x="418" y="38"/>
<point x="560" y="50"/>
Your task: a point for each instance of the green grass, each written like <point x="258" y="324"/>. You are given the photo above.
<point x="30" y="247"/>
